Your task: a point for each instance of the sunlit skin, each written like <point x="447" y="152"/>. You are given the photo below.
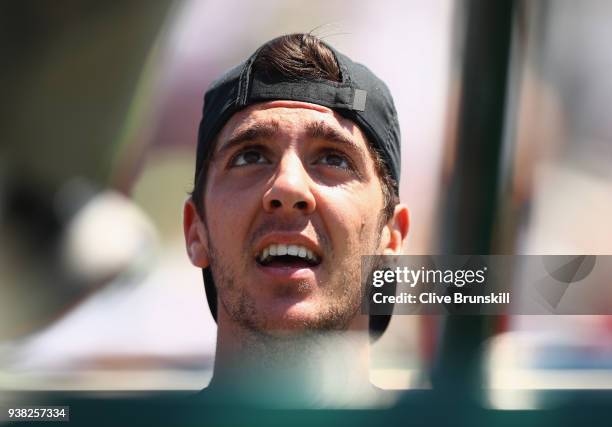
<point x="290" y="172"/>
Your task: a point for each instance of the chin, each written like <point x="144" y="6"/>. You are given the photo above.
<point x="293" y="319"/>
<point x="304" y="318"/>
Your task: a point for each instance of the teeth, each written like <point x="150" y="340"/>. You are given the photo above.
<point x="294" y="250"/>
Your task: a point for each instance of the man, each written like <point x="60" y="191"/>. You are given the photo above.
<point x="296" y="178"/>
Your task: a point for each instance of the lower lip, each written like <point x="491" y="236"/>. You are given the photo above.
<point x="289" y="273"/>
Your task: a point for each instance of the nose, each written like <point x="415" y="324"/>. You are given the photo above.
<point x="290" y="190"/>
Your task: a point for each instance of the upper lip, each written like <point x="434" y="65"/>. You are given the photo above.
<point x="286" y="238"/>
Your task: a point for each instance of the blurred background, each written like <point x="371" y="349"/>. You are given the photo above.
<point x="506" y="141"/>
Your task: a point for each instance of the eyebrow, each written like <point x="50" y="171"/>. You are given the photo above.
<point x="321" y="130"/>
<point x="269" y="129"/>
<point x="251" y="133"/>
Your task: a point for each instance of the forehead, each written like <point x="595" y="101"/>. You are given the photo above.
<point x="292" y="116"/>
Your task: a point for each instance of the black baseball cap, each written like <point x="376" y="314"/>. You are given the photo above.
<point x="359" y="96"/>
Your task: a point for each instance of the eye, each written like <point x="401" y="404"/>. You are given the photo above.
<point x="335" y="160"/>
<point x="248" y="157"/>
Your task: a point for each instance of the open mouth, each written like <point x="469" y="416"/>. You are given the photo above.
<point x="288" y="256"/>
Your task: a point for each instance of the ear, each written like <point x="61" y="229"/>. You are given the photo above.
<point x="196" y="240"/>
<point x="395" y="231"/>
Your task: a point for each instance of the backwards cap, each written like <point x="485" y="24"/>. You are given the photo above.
<point x="360" y="96"/>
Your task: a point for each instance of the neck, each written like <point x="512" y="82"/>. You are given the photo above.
<point x="328" y="368"/>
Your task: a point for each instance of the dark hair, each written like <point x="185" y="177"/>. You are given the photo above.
<point x="302" y="56"/>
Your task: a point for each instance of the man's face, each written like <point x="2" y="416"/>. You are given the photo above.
<point x="292" y="201"/>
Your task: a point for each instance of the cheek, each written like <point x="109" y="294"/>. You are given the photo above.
<point x="352" y="217"/>
<point x="228" y="215"/>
